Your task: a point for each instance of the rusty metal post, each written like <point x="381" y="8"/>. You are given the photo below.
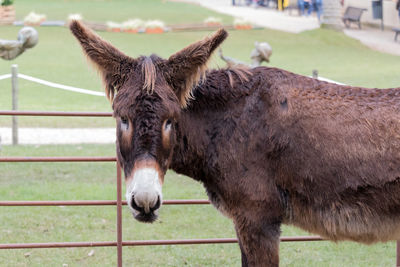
<point x="119" y="216"/>
<point x="14" y="87"/>
<point x="398" y="254"/>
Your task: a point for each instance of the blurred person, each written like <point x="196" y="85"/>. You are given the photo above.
<point x="398" y="7"/>
<point x="317" y="5"/>
<point x="261" y="3"/>
<point x="282" y="4"/>
<point x="300" y="5"/>
<point x="309" y="5"/>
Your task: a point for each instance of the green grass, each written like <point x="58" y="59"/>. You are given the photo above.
<point x="88" y="181"/>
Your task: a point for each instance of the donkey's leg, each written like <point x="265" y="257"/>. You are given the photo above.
<point x="244" y="258"/>
<point x="259" y="242"/>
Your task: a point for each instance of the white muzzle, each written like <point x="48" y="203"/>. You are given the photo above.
<point x="145" y="190"/>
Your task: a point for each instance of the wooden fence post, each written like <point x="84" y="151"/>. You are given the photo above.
<point x="14" y="86"/>
<point x="315" y="74"/>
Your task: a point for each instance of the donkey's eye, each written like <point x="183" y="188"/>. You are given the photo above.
<point x="124" y="123"/>
<point x="167" y="125"/>
<point x="166" y="133"/>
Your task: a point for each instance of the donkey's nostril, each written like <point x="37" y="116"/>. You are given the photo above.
<point x="135" y="206"/>
<point x="158" y="204"/>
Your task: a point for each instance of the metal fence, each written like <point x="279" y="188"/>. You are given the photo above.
<point x="119" y="243"/>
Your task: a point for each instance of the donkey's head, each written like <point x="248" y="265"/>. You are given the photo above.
<point x="148" y="94"/>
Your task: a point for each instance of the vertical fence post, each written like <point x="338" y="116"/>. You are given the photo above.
<point x="398" y="254"/>
<point x="315" y="74"/>
<point x="119" y="216"/>
<point x="14" y="86"/>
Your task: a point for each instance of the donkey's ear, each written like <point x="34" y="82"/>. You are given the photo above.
<point x="186" y="67"/>
<point x="109" y="60"/>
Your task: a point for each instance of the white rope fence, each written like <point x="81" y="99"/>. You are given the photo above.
<point x="5" y="76"/>
<point x="85" y="91"/>
<point x="329" y="81"/>
<point x="54" y="85"/>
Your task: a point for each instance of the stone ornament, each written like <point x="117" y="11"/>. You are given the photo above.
<point x="261" y="52"/>
<point x="28" y="37"/>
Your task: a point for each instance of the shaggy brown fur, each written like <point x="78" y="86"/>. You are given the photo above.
<point x="270" y="146"/>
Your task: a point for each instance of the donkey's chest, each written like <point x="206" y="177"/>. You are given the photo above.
<point x="218" y="202"/>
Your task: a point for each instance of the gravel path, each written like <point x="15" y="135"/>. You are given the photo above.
<point x="264" y="17"/>
<point x="41" y="136"/>
<point x="376" y="39"/>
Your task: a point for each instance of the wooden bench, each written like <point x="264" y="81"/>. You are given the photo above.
<point x="353" y="14"/>
<point x="397" y="31"/>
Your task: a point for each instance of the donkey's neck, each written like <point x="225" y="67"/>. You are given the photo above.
<point x="199" y="142"/>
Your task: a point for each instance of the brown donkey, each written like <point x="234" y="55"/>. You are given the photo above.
<point x="270" y="146"/>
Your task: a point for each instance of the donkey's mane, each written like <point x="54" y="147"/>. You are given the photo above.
<point x="149" y="65"/>
<point x="217" y="86"/>
<point x="149" y="73"/>
<point x="241" y="72"/>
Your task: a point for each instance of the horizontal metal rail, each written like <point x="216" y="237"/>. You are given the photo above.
<point x="57" y="159"/>
<point x="147" y="242"/>
<point x="94" y="202"/>
<point x="55" y="113"/>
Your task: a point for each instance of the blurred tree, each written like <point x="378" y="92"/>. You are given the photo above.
<point x="7" y="2"/>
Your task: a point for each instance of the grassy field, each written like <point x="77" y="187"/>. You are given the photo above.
<point x="58" y="181"/>
<point x="106" y="10"/>
<point x="58" y="58"/>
